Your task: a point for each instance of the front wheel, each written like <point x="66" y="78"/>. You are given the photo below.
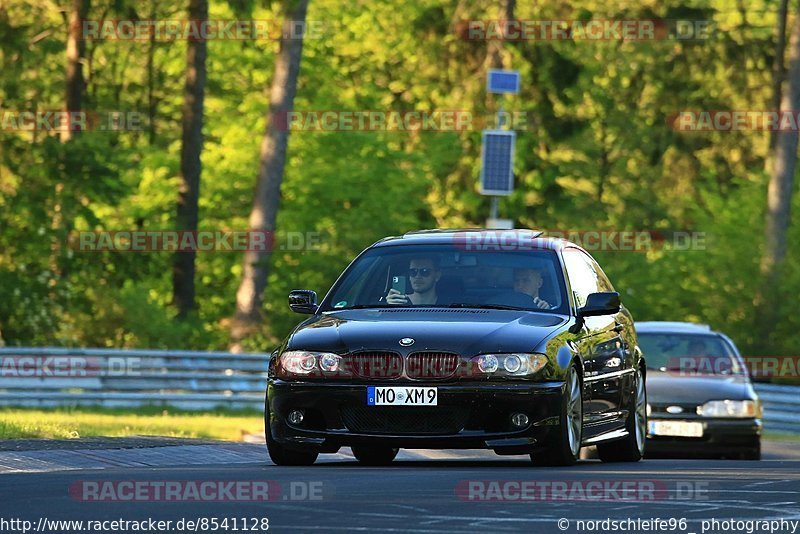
<point x="565" y="448"/>
<point x="753" y="453"/>
<point x="631" y="448"/>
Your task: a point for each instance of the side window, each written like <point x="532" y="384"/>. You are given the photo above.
<point x="602" y="280"/>
<point x="583" y="278"/>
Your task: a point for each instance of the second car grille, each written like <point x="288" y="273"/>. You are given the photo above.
<point x="441" y="420"/>
<point x="375" y="364"/>
<point x="432" y="364"/>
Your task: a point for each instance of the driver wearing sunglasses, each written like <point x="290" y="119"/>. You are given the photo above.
<point x="423" y="273"/>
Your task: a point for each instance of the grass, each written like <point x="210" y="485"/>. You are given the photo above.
<point x="23" y="423"/>
<point x="779" y="436"/>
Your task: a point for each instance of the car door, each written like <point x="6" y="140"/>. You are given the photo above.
<point x="599" y="343"/>
<point x="622" y="362"/>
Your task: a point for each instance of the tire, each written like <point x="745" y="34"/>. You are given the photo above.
<point x="565" y="446"/>
<point x="753" y="453"/>
<point x="279" y="454"/>
<point x="367" y="455"/>
<point x="631" y="448"/>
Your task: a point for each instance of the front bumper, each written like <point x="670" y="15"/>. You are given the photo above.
<point x="720" y="436"/>
<point x="468" y="416"/>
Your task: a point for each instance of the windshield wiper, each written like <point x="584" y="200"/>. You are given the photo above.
<point x="487" y="306"/>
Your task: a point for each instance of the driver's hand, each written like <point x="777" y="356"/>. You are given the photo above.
<point x="542" y="304"/>
<point x="397" y="298"/>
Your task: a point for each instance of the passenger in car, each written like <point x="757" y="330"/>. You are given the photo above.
<point x="424" y="274"/>
<point x="529" y="281"/>
<point x="697" y="347"/>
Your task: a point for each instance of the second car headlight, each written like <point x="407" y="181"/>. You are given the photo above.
<point x="513" y="364"/>
<point x="730" y="408"/>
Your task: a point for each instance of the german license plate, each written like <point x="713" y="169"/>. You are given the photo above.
<point x="401" y="396"/>
<point x="683" y="429"/>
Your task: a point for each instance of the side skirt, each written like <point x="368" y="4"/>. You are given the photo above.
<point x="608" y="436"/>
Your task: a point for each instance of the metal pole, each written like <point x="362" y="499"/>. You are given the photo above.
<point x="495" y="200"/>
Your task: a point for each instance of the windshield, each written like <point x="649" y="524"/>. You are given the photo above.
<point x="689" y="354"/>
<point x="444" y="275"/>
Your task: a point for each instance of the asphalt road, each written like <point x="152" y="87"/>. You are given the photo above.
<point x="427" y="491"/>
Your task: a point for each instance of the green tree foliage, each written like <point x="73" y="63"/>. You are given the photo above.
<point x="596" y="152"/>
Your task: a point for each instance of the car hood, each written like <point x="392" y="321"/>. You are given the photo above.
<point x="464" y="331"/>
<point x="666" y="388"/>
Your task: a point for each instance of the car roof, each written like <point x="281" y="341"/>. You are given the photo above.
<point x="480" y="236"/>
<point x="672" y="327"/>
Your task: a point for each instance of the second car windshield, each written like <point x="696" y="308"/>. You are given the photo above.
<point x="689" y="353"/>
<point x="444" y="275"/>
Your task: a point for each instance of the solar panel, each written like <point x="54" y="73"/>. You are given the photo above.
<point x="497" y="162"/>
<point x="502" y="81"/>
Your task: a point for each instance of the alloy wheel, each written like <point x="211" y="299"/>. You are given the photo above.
<point x="574" y="411"/>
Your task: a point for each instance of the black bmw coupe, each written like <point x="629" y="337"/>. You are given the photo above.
<point x="473" y="339"/>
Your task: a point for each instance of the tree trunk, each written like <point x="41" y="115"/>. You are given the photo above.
<point x="495" y="47"/>
<point x="270" y="174"/>
<point x="779" y="196"/>
<point x="778" y="69"/>
<point x="76" y="52"/>
<point x="183" y="268"/>
<point x="151" y="100"/>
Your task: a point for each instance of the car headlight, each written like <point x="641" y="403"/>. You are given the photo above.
<point x="329" y="363"/>
<point x="307" y="363"/>
<point x="488" y="363"/>
<point x="513" y="364"/>
<point x="730" y="408"/>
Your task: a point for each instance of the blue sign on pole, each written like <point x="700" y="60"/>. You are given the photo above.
<point x="497" y="162"/>
<point x="502" y="81"/>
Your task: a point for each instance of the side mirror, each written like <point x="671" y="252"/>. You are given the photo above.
<point x="606" y="303"/>
<point x="303" y="301"/>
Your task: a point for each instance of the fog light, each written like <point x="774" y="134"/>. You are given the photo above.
<point x="519" y="420"/>
<point x="296" y="417"/>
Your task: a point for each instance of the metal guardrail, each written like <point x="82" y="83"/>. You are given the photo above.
<point x="196" y="380"/>
<point x="781" y="407"/>
<point x="192" y="380"/>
